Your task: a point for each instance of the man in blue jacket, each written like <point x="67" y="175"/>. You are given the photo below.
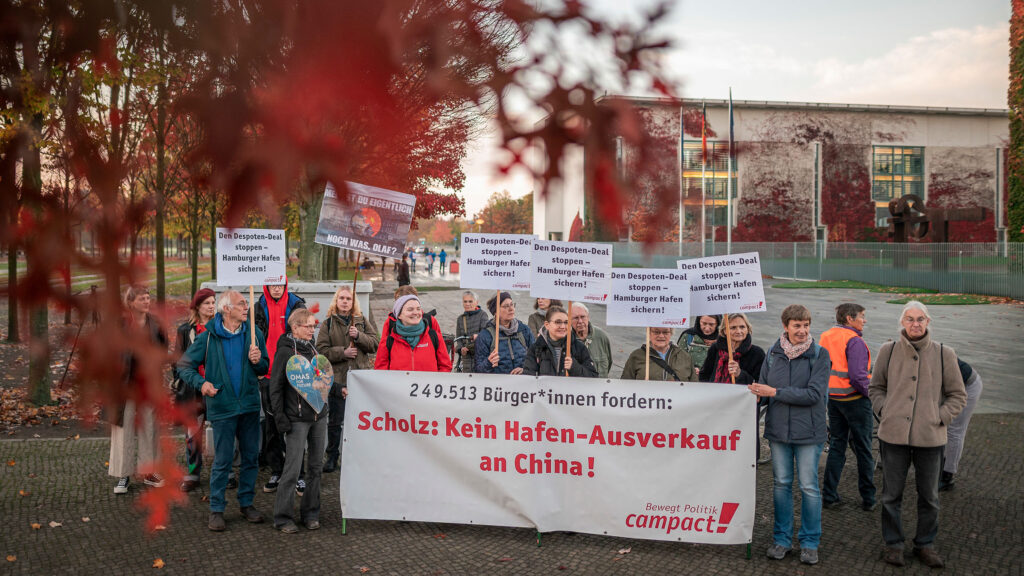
<point x="231" y="390"/>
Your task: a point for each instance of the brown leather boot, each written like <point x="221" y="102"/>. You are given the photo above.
<point x="930" y="557"/>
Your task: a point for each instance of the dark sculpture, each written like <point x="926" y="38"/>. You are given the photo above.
<point x="912" y="219"/>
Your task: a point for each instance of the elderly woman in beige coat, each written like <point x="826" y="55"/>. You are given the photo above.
<point x="916" y="391"/>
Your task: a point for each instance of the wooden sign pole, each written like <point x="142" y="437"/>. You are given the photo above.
<point x="355" y="301"/>
<point x="497" y="321"/>
<point x="728" y="341"/>
<point x="647" y="366"/>
<point x="568" y="338"/>
<point x="252" y="318"/>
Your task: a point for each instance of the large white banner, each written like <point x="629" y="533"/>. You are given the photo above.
<point x="635" y="459"/>
<point x="496" y="261"/>
<point x="725" y="284"/>
<point x="649" y="297"/>
<point x="250" y="256"/>
<point x="572" y="271"/>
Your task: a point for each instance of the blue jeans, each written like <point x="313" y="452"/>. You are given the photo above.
<point x="851" y="423"/>
<point x="246" y="429"/>
<point x="807" y="456"/>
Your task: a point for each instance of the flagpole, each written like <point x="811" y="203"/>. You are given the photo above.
<point x="728" y="186"/>
<point x="703" y="177"/>
<point x="682" y="132"/>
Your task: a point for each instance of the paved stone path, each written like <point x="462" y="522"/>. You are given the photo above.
<point x="65" y="481"/>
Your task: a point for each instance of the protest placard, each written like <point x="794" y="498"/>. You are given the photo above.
<point x="250" y="256"/>
<point x="571" y="271"/>
<point x="649" y="297"/>
<point x="496" y="261"/>
<point x="633" y="459"/>
<point x="375" y="221"/>
<point x="725" y="284"/>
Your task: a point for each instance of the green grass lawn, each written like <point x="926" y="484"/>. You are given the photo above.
<point x="944" y="299"/>
<point x="855" y="285"/>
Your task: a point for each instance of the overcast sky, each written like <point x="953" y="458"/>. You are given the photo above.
<point x="903" y="52"/>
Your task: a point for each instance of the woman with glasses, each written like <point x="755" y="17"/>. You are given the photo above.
<point x="547" y="356"/>
<point x="302" y="426"/>
<point x="514" y="339"/>
<point x="916" y="391"/>
<point x="667" y="361"/>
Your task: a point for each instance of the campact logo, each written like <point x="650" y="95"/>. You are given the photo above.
<point x="684" y="518"/>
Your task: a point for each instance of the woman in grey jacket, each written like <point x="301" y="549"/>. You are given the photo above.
<point x="794" y="383"/>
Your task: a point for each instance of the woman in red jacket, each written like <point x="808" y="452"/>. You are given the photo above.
<point x="411" y="342"/>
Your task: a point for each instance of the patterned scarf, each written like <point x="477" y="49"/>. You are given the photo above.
<point x="722" y="375"/>
<point x="511" y="330"/>
<point x="794" y="350"/>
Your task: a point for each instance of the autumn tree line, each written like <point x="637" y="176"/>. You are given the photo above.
<point x="128" y="119"/>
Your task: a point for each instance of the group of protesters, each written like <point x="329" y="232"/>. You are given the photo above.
<point x="813" y="393"/>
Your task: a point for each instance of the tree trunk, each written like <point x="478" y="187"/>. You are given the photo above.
<point x="12" y="298"/>
<point x="67" y="231"/>
<point x="161" y="198"/>
<point x="194" y="263"/>
<point x="39" y="343"/>
<point x="213" y="241"/>
<point x="310" y="253"/>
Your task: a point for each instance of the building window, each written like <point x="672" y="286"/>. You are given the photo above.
<point x="716" y="181"/>
<point x="895" y="171"/>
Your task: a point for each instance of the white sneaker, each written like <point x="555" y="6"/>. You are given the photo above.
<point x="122" y="485"/>
<point x="300" y="487"/>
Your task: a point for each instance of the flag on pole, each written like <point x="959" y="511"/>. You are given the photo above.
<point x="703" y="134"/>
<point x="730" y="127"/>
<point x="576" y="230"/>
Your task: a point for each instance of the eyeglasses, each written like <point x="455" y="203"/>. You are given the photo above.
<point x="661" y="332"/>
<point x="310" y="326"/>
<point x="560" y="322"/>
<point x="918" y="320"/>
<point x="508" y="306"/>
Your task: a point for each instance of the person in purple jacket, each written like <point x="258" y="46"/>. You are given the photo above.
<point x="849" y="408"/>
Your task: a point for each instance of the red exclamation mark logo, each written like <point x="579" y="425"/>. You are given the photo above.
<point x="728" y="509"/>
<point x="590" y="465"/>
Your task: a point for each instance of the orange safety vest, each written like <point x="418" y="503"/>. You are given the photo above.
<point x="835" y="340"/>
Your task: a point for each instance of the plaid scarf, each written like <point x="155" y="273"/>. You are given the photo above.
<point x="722" y="375"/>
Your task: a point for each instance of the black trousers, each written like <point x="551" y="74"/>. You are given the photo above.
<point x="334" y="427"/>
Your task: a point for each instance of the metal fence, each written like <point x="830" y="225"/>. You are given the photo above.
<point x="976" y="268"/>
